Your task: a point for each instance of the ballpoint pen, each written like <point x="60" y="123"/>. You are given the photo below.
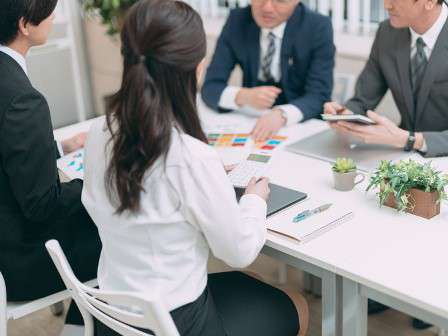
<point x="307" y="213"/>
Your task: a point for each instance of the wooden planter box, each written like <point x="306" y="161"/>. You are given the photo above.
<point x="424" y="203"/>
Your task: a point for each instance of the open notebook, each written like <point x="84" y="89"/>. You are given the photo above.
<point x="311" y="227"/>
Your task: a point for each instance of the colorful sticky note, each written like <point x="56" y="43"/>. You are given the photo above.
<point x="278" y="137"/>
<point x="268" y="147"/>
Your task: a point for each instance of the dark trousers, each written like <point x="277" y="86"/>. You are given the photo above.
<point x="234" y="304"/>
<point x="34" y="275"/>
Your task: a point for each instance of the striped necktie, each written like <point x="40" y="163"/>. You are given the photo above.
<point x="418" y="67"/>
<point x="268" y="58"/>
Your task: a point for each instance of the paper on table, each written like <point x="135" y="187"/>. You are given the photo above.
<point x="72" y="165"/>
<point x="312" y="226"/>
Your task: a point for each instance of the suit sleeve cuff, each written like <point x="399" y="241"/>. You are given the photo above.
<point x="228" y="96"/>
<point x="293" y="114"/>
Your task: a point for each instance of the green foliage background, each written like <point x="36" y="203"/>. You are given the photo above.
<point x="111" y="12"/>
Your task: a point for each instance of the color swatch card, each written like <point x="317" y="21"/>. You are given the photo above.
<point x="241" y="139"/>
<point x="271" y="144"/>
<point x="228" y="139"/>
<point x="234" y="145"/>
<point x="72" y="165"/>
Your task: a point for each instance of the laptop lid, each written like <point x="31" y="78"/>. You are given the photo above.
<point x="280" y="198"/>
<point x="330" y="145"/>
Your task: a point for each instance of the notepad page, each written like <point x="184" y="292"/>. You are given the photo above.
<point x="283" y="222"/>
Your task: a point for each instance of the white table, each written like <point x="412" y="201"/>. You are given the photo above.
<point x="380" y="254"/>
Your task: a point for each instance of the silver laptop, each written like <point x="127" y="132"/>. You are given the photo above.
<point x="330" y="145"/>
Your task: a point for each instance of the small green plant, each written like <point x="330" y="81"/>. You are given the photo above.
<point x="344" y="165"/>
<point x="398" y="178"/>
<point x="111" y="12"/>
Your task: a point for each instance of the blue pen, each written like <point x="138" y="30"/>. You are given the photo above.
<point x="307" y="213"/>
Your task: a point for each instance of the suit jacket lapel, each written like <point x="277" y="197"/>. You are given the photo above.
<point x="437" y="61"/>
<point x="253" y="45"/>
<point x="403" y="60"/>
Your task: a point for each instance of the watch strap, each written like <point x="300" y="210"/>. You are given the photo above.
<point x="410" y="143"/>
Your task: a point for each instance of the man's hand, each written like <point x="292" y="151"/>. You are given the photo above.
<point x="261" y="97"/>
<point x="73" y="144"/>
<point x="335" y="108"/>
<point x="385" y="132"/>
<point x="268" y="125"/>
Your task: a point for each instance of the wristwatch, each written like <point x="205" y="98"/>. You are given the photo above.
<point x="410" y="143"/>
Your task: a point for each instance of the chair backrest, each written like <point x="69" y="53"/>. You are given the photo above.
<point x="149" y="314"/>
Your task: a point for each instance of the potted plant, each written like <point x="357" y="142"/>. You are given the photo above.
<point x="410" y="186"/>
<point x="102" y="25"/>
<point x="110" y="11"/>
<point x="344" y="174"/>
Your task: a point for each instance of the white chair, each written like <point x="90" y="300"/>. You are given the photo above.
<point x="16" y="310"/>
<point x="104" y="305"/>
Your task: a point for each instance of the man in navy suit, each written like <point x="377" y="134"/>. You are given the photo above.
<point x="286" y="54"/>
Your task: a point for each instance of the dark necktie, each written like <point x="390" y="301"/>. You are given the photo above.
<point x="418" y="67"/>
<point x="268" y="58"/>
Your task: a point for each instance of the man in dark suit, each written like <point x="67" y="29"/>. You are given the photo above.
<point x="34" y="205"/>
<point x="409" y="57"/>
<point x="286" y="54"/>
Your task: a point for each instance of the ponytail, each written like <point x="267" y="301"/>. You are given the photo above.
<point x="157" y="93"/>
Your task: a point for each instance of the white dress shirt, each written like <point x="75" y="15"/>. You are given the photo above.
<point x="430" y="38"/>
<point x="228" y="96"/>
<point x="18" y="57"/>
<point x="187" y="208"/>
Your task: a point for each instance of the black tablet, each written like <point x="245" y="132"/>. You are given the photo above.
<point x="279" y="199"/>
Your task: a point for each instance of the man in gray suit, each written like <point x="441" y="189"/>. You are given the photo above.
<point x="410" y="57"/>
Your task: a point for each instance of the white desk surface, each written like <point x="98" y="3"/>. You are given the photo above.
<point x="398" y="254"/>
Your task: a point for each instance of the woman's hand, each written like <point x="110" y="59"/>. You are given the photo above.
<point x="260" y="188"/>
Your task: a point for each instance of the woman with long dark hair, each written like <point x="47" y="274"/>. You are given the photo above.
<point x="160" y="196"/>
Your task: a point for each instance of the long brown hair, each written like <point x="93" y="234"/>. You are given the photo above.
<point x="163" y="41"/>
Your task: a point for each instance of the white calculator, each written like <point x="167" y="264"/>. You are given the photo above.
<point x="255" y="165"/>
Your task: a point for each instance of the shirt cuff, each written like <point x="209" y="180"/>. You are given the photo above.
<point x="424" y="148"/>
<point x="293" y="114"/>
<point x="228" y="97"/>
<point x="60" y="149"/>
<point x="254" y="206"/>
